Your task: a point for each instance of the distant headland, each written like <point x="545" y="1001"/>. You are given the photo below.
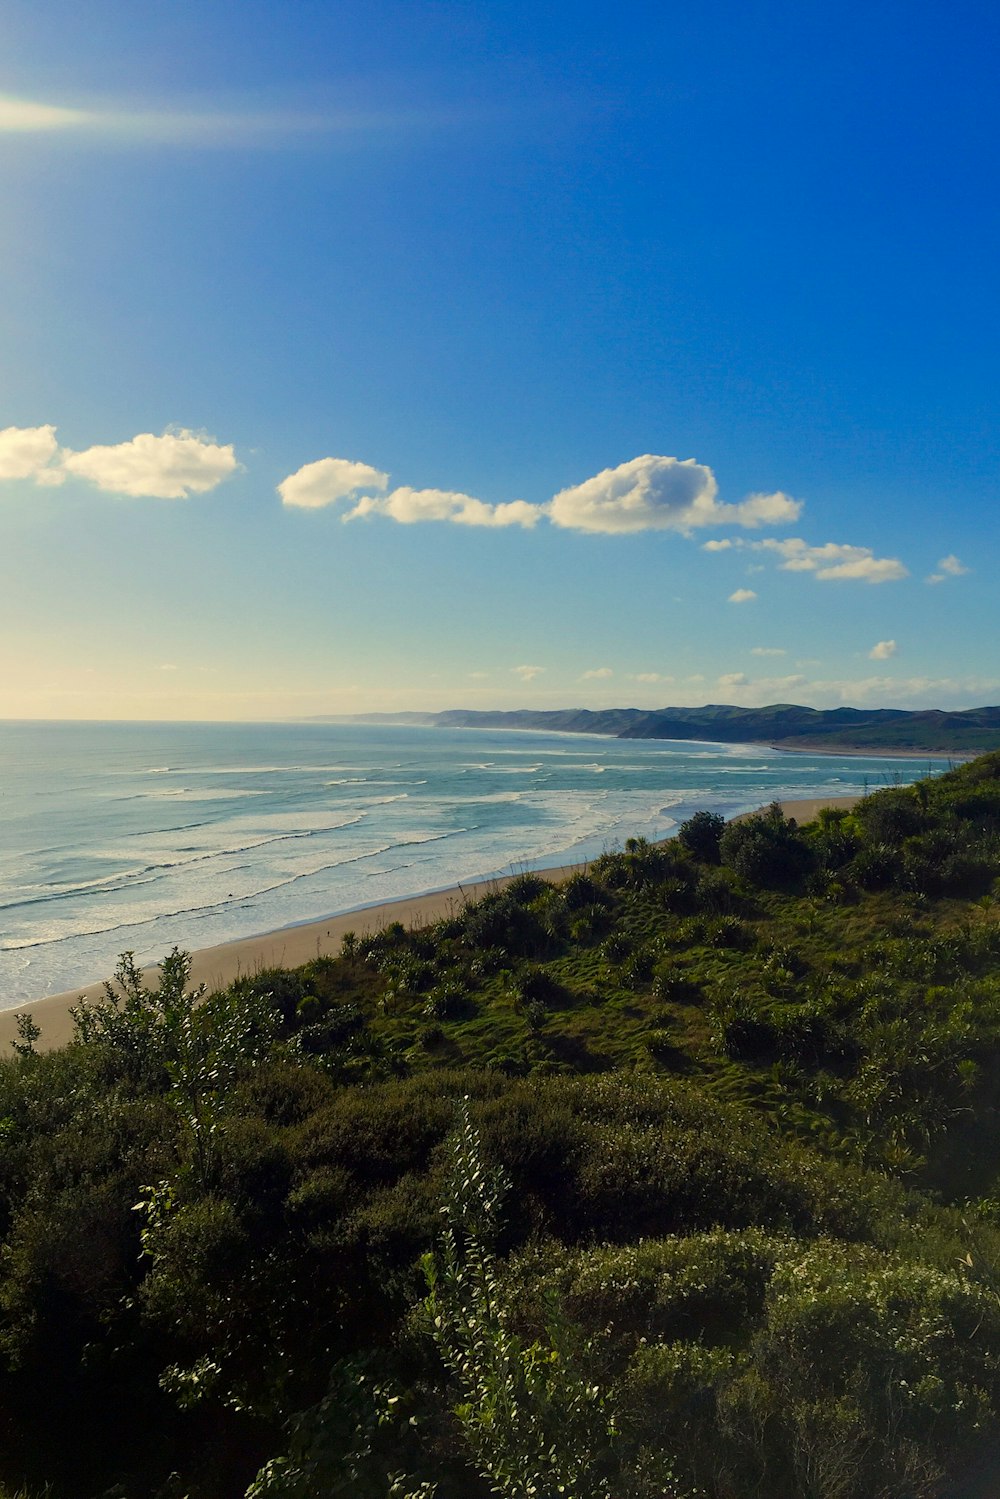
<point x="788" y="726"/>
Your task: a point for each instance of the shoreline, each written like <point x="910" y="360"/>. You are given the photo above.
<point x="291" y="946"/>
<point x="786" y="746"/>
<point x="874" y="754"/>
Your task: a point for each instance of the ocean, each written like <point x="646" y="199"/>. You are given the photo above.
<point x="140" y="836"/>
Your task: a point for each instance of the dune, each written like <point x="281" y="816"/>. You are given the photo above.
<point x="294" y="945"/>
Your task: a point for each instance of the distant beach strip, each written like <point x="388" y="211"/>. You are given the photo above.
<point x="291" y="946"/>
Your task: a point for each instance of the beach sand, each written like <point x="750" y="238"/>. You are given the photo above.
<point x="291" y="946"/>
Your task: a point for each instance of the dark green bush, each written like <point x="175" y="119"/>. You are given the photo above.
<point x="702" y="834"/>
<point x="580" y="892"/>
<point x="766" y="849"/>
<point x="891" y="816"/>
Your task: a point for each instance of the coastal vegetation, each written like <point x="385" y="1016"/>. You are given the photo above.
<point x="680" y="1178"/>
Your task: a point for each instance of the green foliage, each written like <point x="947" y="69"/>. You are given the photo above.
<point x="530" y="1416"/>
<point x="343" y="1447"/>
<point x="748" y="1118"/>
<point x="702" y="835"/>
<point x="28" y="1032"/>
<point x="766" y="849"/>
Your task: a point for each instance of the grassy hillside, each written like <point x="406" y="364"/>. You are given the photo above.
<point x="783" y="724"/>
<point x="680" y="1178"/>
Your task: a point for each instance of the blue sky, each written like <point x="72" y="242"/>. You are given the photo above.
<point x="377" y="356"/>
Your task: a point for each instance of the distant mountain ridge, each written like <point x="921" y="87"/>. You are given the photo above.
<point x="784" y="725"/>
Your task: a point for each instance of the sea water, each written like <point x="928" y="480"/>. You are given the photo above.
<point x="140" y="836"/>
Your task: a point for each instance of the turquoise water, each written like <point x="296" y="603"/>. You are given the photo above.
<point x="140" y="836"/>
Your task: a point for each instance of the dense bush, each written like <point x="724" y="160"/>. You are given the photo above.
<point x="715" y="1094"/>
<point x="702" y="835"/>
<point x="766" y="849"/>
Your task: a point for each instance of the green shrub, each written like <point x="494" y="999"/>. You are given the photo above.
<point x="446" y="1001"/>
<point x="580" y="892"/>
<point x="702" y="834"/>
<point x="766" y="849"/>
<point x="890" y="816"/>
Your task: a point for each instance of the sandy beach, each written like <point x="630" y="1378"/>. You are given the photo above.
<point x="291" y="946"/>
<point x="956" y="757"/>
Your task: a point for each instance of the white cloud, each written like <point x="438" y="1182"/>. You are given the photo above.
<point x="410" y="506"/>
<point x="28" y="452"/>
<point x="883" y="650"/>
<point x="767" y="650"/>
<point x="882" y="691"/>
<point x="758" y="510"/>
<point x="722" y="545"/>
<point x="734" y="679"/>
<point x="648" y="493"/>
<point x="329" y="479"/>
<point x="598" y="672"/>
<point x="651" y="676"/>
<point x="742" y="596"/>
<point x="170" y="467"/>
<point x="916" y="692"/>
<point x="527" y="673"/>
<point x="948" y="567"/>
<point x="833" y="560"/>
<point x="655" y="493"/>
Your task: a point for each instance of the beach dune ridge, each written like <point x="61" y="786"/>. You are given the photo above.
<point x="292" y="946"/>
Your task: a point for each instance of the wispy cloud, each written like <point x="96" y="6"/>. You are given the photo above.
<point x="598" y="674"/>
<point x="833" y="560"/>
<point x="768" y="650"/>
<point x="742" y="596"/>
<point x="759" y="689"/>
<point x="411" y="506"/>
<point x="948" y="567"/>
<point x="191" y="127"/>
<point x="883" y="650"/>
<point x="27" y="116"/>
<point x="650" y="677"/>
<point x="908" y="691"/>
<point x="527" y="673"/>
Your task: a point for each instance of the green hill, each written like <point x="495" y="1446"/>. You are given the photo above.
<point x="679" y="1178"/>
<point x="784" y="725"/>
